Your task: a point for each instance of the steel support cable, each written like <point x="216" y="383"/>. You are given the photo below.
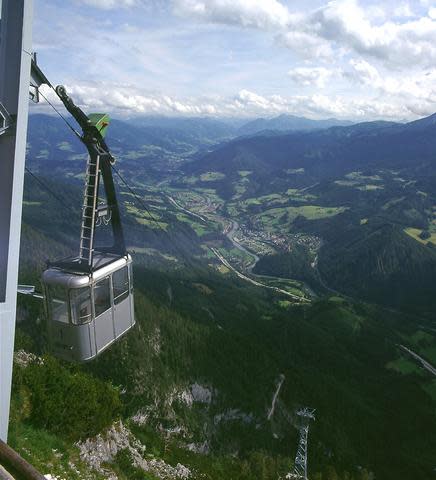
<point x="76" y="133"/>
<point x="49" y="190"/>
<point x="124" y="181"/>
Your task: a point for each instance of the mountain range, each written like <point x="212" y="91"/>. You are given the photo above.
<point x="343" y="215"/>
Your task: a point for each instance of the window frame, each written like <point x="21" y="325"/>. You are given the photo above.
<point x="108" y="279"/>
<point x="66" y="301"/>
<point x="72" y="303"/>
<point x="125" y="293"/>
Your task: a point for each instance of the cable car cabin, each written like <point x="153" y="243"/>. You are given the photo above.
<point x="87" y="312"/>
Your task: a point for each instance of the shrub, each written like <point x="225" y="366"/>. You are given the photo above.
<point x="69" y="402"/>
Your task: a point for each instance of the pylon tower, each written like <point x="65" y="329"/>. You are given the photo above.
<point x="300" y="465"/>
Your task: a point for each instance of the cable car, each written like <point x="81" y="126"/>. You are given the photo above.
<point x="89" y="298"/>
<point x="88" y="312"/>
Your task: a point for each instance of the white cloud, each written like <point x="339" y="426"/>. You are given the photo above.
<point x="306" y="45"/>
<point x="403" y="10"/>
<point x="337" y="27"/>
<point x="262" y="14"/>
<point x="311" y="76"/>
<point x="344" y="24"/>
<point x="382" y="66"/>
<point x="123" y="101"/>
<point x="418" y="88"/>
<point x="110" y="4"/>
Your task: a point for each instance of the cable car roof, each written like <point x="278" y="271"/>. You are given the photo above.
<point x="68" y="272"/>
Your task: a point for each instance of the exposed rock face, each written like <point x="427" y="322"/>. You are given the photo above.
<point x="22" y="358"/>
<point x="103" y="448"/>
<point x="233" y="414"/>
<point x="201" y="394"/>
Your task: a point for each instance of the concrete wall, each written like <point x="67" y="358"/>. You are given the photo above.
<point x="15" y="62"/>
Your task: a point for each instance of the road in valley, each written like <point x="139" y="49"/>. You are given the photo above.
<point x="230" y="236"/>
<point x="177" y="205"/>
<point x="255" y="282"/>
<point x="428" y="366"/>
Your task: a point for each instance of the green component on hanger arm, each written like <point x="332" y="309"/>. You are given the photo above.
<point x="100" y="121"/>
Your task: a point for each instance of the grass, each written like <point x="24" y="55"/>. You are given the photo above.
<point x="284" y="303"/>
<point x="346" y="183"/>
<point x="199" y="229"/>
<point x="282" y="217"/>
<point x="48" y="453"/>
<point x="65" y="147"/>
<point x="43" y="154"/>
<point x="144" y="218"/>
<point x="336" y="299"/>
<point x="223" y="269"/>
<point x="297" y="196"/>
<point x="404" y="366"/>
<point x="211" y="176"/>
<point x="361" y="182"/>
<point x="370" y="187"/>
<point x="429" y="354"/>
<point x="430" y="388"/>
<point x="421" y="337"/>
<point x="275" y="198"/>
<point x="392" y="202"/>
<point x="415" y="232"/>
<point x="359" y="176"/>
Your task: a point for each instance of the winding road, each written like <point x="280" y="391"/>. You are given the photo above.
<point x="230" y="236"/>
<point x="255" y="282"/>
<point x="428" y="366"/>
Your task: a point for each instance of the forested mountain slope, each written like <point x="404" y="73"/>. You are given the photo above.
<point x="188" y="392"/>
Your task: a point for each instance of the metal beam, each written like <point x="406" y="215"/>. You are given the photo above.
<point x="15" y="62"/>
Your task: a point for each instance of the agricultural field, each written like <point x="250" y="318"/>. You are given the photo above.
<point x="281" y="218"/>
<point x="416" y="234"/>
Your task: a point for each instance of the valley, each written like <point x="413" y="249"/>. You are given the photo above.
<point x="272" y="271"/>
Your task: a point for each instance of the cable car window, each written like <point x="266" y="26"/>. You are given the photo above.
<point x="120" y="281"/>
<point x="102" y="296"/>
<point x="80" y="301"/>
<point x="59" y="304"/>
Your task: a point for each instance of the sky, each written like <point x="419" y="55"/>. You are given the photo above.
<point x="348" y="59"/>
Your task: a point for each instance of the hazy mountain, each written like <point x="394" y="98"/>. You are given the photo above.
<point x="197" y="130"/>
<point x="287" y="123"/>
<point x="329" y="152"/>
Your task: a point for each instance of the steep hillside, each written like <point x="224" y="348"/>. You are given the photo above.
<point x="189" y="393"/>
<point x="223" y="347"/>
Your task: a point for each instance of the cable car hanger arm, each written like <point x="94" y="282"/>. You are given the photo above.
<point x="94" y="129"/>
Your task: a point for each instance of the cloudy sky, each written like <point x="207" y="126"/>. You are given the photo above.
<point x="356" y="59"/>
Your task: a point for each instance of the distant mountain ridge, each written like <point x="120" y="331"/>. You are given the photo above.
<point x="286" y="122"/>
<point x="330" y="151"/>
